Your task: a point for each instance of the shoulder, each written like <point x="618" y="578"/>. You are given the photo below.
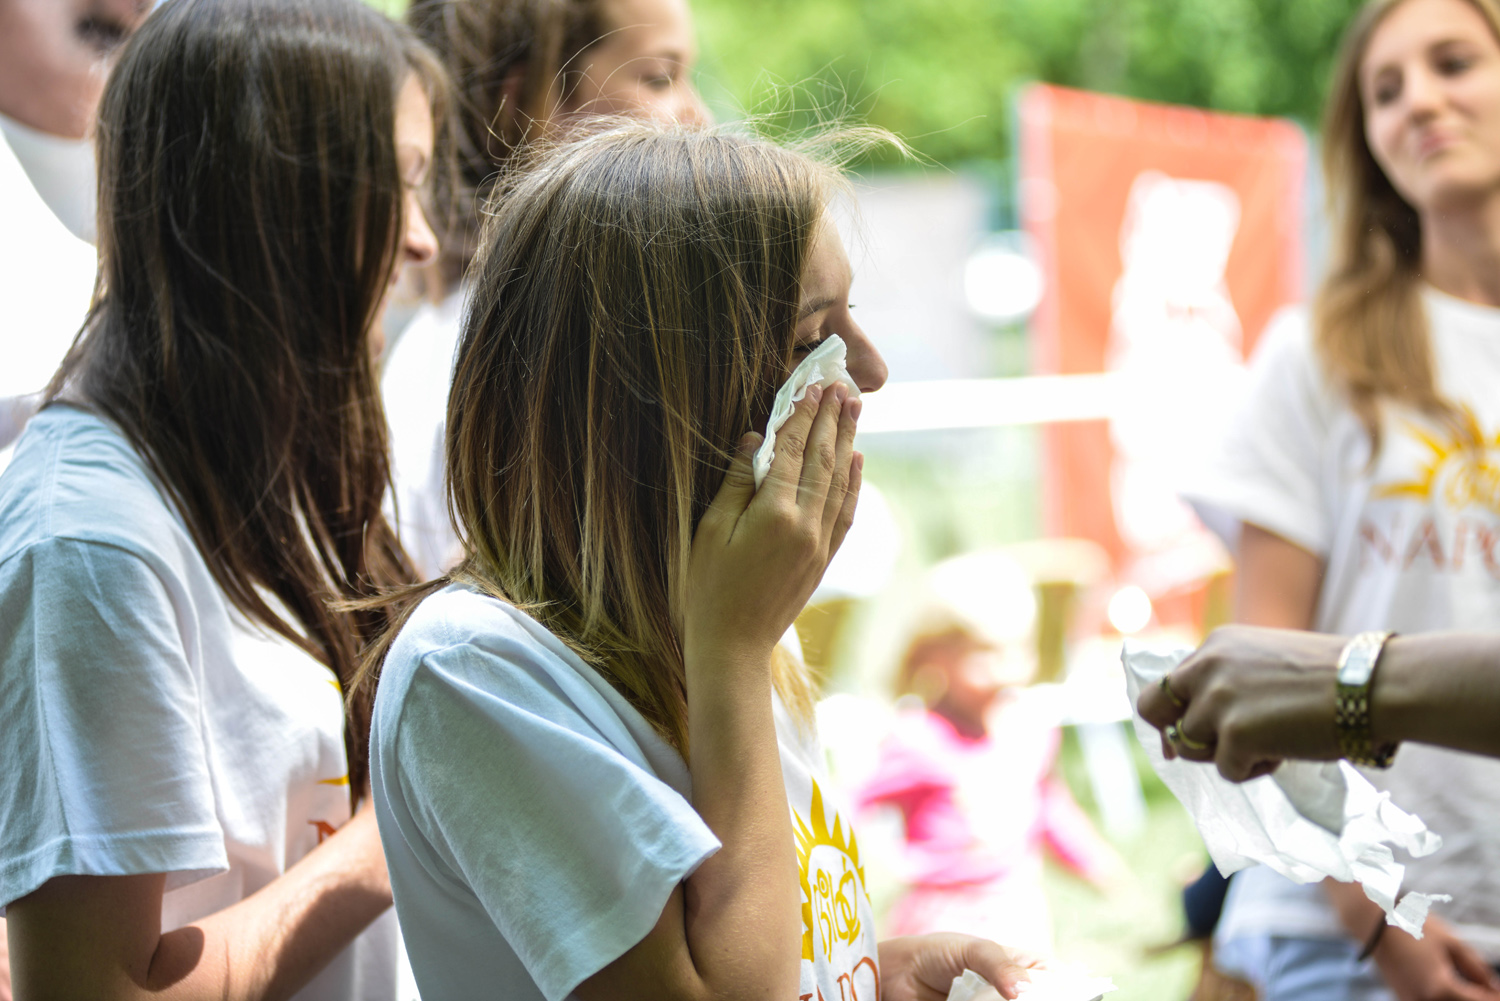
<point x="474" y="633"/>
<point x="469" y="668"/>
<point x="1286" y="374"/>
<point x="1286" y="344"/>
<point x="76" y="478"/>
<point x="473" y="653"/>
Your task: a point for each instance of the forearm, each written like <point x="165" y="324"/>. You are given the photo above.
<point x="98" y="937"/>
<point x="275" y="941"/>
<point x="1276" y="581"/>
<point x="743" y="919"/>
<point x="1357" y="913"/>
<point x="1439" y="688"/>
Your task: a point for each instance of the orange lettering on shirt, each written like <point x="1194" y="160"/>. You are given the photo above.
<point x="325" y="830"/>
<point x="1426" y="540"/>
<point x="1373" y="539"/>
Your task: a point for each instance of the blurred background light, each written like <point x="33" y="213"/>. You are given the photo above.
<point x="1002" y="282"/>
<point x="1129" y="610"/>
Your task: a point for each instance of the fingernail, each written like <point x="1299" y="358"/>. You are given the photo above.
<point x="815" y="393"/>
<point x="840" y="393"/>
<point x="855" y="408"/>
<point x="750" y="442"/>
<point x="859" y="462"/>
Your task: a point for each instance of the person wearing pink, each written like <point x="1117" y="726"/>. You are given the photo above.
<point x="971" y="768"/>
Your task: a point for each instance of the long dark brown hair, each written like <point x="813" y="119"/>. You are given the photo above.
<point x="635" y="308"/>
<point x="250" y="212"/>
<point x="510" y="62"/>
<point x="1370" y="328"/>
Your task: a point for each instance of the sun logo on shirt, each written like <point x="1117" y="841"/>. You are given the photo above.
<point x="1457" y="471"/>
<point x="832" y="880"/>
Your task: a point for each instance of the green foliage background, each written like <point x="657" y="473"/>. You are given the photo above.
<point x="941" y="73"/>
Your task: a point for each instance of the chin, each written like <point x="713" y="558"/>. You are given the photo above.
<point x="1454" y="188"/>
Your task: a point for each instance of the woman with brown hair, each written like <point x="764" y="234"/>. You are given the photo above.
<point x="593" y="766"/>
<point x="520" y="67"/>
<point x="180" y="785"/>
<point x="1362" y="473"/>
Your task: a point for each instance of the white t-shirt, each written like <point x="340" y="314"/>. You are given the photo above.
<point x="418" y="374"/>
<point x="46" y="280"/>
<point x="535" y="824"/>
<point x="145" y="725"/>
<point x="1409" y="545"/>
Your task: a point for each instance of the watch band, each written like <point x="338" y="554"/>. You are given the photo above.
<point x="1356" y="672"/>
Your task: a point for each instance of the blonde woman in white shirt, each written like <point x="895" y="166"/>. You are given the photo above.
<point x="594" y="768"/>
<point x="1362" y="474"/>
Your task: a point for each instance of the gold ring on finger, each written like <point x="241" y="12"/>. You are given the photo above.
<point x="1166" y="689"/>
<point x="1176" y="736"/>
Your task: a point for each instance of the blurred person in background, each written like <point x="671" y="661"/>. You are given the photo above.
<point x="180" y="805"/>
<point x="519" y="66"/>
<point x="970" y="765"/>
<point x="1362" y="473"/>
<point x="54" y="55"/>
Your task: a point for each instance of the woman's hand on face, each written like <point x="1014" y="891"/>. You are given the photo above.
<point x="922" y="967"/>
<point x="1252" y="696"/>
<point x="757" y="556"/>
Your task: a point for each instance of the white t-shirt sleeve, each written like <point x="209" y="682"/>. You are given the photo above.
<point x="570" y="845"/>
<point x="103" y="723"/>
<point x="1268" y="469"/>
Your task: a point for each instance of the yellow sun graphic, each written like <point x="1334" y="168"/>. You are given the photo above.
<point x="831" y="908"/>
<point x="1460" y="469"/>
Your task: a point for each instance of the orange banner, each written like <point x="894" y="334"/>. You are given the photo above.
<point x="1169" y="236"/>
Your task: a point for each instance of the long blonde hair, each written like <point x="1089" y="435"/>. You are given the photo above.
<point x="1370" y="329"/>
<point x="635" y="307"/>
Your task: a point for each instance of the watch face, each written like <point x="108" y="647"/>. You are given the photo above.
<point x="1358" y="660"/>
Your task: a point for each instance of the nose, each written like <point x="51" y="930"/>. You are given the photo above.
<point x="419" y="245"/>
<point x="691" y="110"/>
<point x="1422" y="91"/>
<point x="863" y="361"/>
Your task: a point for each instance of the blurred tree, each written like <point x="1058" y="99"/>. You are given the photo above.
<point x="941" y="73"/>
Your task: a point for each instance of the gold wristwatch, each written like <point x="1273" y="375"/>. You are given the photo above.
<point x="1356" y="672"/>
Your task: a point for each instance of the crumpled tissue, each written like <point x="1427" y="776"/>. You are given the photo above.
<point x="823" y="366"/>
<point x="1046" y="985"/>
<point x="1307" y="820"/>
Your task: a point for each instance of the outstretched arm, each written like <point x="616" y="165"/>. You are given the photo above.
<point x="1261" y="695"/>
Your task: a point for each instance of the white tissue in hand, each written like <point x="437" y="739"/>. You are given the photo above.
<point x="822" y="367"/>
<point x="1046" y="985"/>
<point x="1306" y="821"/>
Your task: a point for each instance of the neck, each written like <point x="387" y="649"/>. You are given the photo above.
<point x="1461" y="251"/>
